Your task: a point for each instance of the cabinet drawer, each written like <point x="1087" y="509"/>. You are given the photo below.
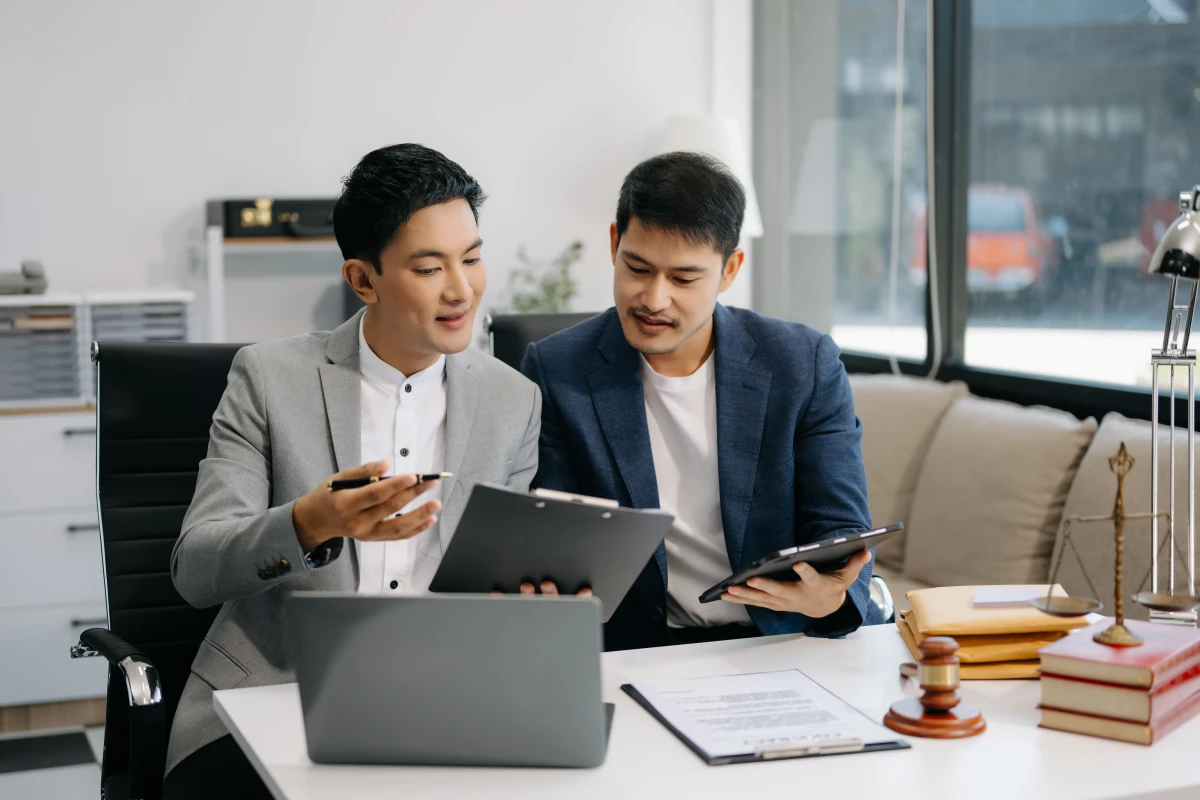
<point x="49" y="461"/>
<point x="50" y="559"/>
<point x="36" y="657"/>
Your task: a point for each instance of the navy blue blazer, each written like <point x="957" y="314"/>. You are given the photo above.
<point x="788" y="447"/>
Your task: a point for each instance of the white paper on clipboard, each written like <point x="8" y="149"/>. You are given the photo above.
<point x="765" y="714"/>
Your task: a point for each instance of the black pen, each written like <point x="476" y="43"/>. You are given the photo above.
<point x="358" y="483"/>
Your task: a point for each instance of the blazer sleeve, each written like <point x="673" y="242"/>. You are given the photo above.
<point x="233" y="543"/>
<point x="525" y="464"/>
<point x="831" y="482"/>
<point x="554" y="464"/>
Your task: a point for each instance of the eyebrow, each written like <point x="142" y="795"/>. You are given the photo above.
<point x="431" y="253"/>
<point x="632" y="256"/>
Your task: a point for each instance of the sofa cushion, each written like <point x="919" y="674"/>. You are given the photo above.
<point x="1092" y="495"/>
<point x="991" y="493"/>
<point x="899" y="415"/>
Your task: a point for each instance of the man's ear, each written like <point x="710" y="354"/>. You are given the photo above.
<point x="732" y="267"/>
<point x="615" y="239"/>
<point x="361" y="275"/>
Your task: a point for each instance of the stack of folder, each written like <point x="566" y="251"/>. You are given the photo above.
<point x="993" y="643"/>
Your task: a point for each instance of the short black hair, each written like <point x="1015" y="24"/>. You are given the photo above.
<point x="691" y="194"/>
<point x="386" y="188"/>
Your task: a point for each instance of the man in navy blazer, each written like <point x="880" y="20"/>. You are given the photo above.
<point x="741" y="425"/>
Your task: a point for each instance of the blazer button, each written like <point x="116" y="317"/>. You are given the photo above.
<point x="284" y="566"/>
<point x="657" y="615"/>
<point x="265" y="574"/>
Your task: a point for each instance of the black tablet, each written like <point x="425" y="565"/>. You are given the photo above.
<point x="506" y="537"/>
<point x="826" y="555"/>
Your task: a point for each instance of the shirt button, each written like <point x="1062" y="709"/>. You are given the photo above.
<point x="404" y="452"/>
<point x="395" y="584"/>
<point x="408" y="387"/>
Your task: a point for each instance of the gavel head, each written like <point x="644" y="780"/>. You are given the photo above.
<point x="938" y="673"/>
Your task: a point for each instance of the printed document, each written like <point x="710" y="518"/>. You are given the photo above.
<point x="764" y="715"/>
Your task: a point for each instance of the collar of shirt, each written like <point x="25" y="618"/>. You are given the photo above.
<point x="700" y="379"/>
<point x="383" y="374"/>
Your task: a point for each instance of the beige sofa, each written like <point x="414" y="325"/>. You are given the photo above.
<point x="982" y="486"/>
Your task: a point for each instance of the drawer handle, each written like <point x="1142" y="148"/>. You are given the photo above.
<point x="92" y="526"/>
<point x="79" y="432"/>
<point x="90" y="622"/>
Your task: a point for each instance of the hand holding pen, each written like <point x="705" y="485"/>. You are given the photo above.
<point x="364" y="509"/>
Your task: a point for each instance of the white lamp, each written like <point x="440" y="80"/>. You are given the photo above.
<point x="722" y="139"/>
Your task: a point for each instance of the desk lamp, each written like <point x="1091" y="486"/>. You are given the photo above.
<point x="1177" y="257"/>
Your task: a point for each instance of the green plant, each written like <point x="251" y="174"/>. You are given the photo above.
<point x="538" y="288"/>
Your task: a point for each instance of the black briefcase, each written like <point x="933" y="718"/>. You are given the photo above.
<point x="265" y="216"/>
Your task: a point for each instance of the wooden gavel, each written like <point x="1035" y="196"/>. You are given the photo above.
<point x="938" y="713"/>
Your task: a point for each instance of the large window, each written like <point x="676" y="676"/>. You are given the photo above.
<point x="840" y="168"/>
<point x="1083" y="131"/>
<point x="1063" y="133"/>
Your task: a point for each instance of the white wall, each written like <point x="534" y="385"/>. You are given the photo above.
<point x="121" y="118"/>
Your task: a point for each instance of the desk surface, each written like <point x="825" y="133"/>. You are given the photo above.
<point x="1014" y="759"/>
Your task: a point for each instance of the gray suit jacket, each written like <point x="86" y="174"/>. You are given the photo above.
<point x="289" y="418"/>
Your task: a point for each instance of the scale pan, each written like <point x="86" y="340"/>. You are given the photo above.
<point x="1059" y="606"/>
<point x="1161" y="601"/>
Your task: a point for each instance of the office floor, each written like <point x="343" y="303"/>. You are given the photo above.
<point x="52" y="764"/>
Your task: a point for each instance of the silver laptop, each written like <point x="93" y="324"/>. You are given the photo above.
<point x="450" y="679"/>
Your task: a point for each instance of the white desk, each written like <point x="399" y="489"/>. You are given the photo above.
<point x="1013" y="759"/>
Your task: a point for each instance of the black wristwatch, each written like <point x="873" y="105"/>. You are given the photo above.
<point x="323" y="553"/>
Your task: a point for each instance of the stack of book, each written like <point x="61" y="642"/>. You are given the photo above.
<point x="993" y="643"/>
<point x="1133" y="694"/>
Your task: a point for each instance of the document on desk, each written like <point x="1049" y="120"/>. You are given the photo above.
<point x="760" y="716"/>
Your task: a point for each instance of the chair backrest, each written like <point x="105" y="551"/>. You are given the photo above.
<point x="512" y="333"/>
<point x="154" y="407"/>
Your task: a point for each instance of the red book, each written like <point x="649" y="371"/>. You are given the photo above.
<point x="1119" y="702"/>
<point x="1122" y="730"/>
<point x="1166" y="652"/>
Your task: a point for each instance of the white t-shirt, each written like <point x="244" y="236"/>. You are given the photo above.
<point x="681" y="414"/>
<point x="403" y="419"/>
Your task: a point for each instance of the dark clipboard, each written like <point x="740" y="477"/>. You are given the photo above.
<point x="506" y="537"/>
<point x="746" y="758"/>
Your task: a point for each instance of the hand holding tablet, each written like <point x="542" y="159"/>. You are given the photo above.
<point x="827" y="555"/>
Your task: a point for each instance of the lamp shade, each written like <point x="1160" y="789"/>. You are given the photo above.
<point x="1178" y="251"/>
<point x="722" y="139"/>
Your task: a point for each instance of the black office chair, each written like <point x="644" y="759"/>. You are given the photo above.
<point x="510" y="334"/>
<point x="154" y="407"/>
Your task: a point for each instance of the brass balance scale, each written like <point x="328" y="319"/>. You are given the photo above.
<point x="1177" y="257"/>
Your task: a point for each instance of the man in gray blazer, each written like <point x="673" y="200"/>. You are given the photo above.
<point x="396" y="387"/>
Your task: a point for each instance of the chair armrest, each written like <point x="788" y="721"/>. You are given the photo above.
<point x="882" y="598"/>
<point x="135" y="741"/>
<point x="141" y="676"/>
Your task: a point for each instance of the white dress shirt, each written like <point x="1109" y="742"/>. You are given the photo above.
<point x="681" y="414"/>
<point x="403" y="420"/>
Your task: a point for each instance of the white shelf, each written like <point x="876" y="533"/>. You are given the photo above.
<point x="27" y="300"/>
<point x="210" y="255"/>
<point x="140" y="297"/>
<point x="236" y="247"/>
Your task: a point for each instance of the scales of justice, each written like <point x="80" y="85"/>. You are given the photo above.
<point x="1178" y="258"/>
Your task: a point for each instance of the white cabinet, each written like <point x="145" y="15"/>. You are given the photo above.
<point x="53" y="558"/>
<point x="52" y="572"/>
<point x="35" y="662"/>
<point x="48" y="463"/>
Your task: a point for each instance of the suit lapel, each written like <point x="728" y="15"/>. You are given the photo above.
<point x="462" y="398"/>
<point x="742" y="390"/>
<point x="621" y="407"/>
<point x="343" y="393"/>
